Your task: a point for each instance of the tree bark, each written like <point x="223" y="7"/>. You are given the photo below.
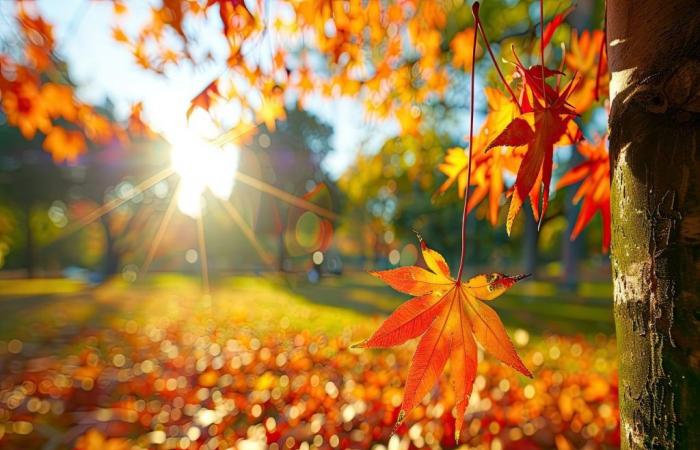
<point x="654" y="56"/>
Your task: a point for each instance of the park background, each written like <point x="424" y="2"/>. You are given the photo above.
<point x="229" y="324"/>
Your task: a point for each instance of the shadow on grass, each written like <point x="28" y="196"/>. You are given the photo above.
<point x="535" y="306"/>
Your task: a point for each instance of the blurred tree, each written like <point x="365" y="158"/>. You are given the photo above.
<point x="29" y="183"/>
<point x="389" y="194"/>
<point x="111" y="171"/>
<point x="289" y="156"/>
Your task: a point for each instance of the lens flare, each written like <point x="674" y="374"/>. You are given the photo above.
<point x="202" y="166"/>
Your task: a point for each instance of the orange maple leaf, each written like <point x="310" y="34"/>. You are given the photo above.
<point x="205" y="98"/>
<point x="461" y="46"/>
<point x="487" y="167"/>
<point x="39" y="38"/>
<point x="409" y="120"/>
<point x="64" y="145"/>
<point x="586" y="58"/>
<point x="136" y="122"/>
<point x="595" y="188"/>
<point x="271" y="109"/>
<point x="448" y="314"/>
<point x="26" y="109"/>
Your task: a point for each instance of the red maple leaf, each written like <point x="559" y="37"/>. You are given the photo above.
<point x="545" y="122"/>
<point x="448" y="314"/>
<point x="595" y="188"/>
<point x="553" y="25"/>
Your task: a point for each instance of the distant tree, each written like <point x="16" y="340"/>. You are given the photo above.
<point x="289" y="156"/>
<point x="29" y="182"/>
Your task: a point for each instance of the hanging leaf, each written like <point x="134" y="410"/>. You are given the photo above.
<point x="448" y="315"/>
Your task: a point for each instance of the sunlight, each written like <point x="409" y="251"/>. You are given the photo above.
<point x="202" y="166"/>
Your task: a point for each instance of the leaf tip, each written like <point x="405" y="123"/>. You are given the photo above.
<point x="399" y="421"/>
<point x="509" y="225"/>
<point x="423" y="245"/>
<point x="522" y="368"/>
<point x="361" y="344"/>
<point x="456" y="436"/>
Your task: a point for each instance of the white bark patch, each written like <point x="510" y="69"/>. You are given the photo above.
<point x="619" y="81"/>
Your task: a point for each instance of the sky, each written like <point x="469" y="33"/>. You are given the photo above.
<point x="105" y="69"/>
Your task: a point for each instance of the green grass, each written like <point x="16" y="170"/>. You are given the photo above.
<point x="355" y="303"/>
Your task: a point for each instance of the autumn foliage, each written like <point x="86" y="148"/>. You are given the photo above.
<point x="37" y="97"/>
<point x="392" y="57"/>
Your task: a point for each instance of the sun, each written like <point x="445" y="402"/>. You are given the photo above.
<point x="201" y="166"/>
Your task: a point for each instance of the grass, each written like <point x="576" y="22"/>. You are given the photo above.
<point x="355" y="302"/>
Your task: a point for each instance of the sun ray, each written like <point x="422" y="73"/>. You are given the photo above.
<point x="232" y="135"/>
<point x="201" y="243"/>
<point x="114" y="203"/>
<point x="247" y="232"/>
<point x="162" y="227"/>
<point x="285" y="196"/>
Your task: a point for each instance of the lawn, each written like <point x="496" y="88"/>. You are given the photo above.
<point x="264" y="361"/>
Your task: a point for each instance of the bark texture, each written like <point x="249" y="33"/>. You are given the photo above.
<point x="654" y="54"/>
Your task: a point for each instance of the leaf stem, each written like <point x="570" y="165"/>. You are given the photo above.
<point x="544" y="86"/>
<point x="465" y="210"/>
<point x="480" y="27"/>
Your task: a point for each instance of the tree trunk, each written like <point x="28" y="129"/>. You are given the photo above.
<point x="29" y="245"/>
<point x="530" y="240"/>
<point x="571" y="249"/>
<point x="111" y="259"/>
<point x="654" y="54"/>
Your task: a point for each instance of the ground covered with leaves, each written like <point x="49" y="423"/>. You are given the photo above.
<point x="261" y="365"/>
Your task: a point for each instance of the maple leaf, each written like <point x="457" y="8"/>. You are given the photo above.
<point x="136" y="122"/>
<point x="553" y="25"/>
<point x="545" y="123"/>
<point x="461" y="46"/>
<point x="119" y="35"/>
<point x="39" y="37"/>
<point x="26" y="109"/>
<point x="409" y="121"/>
<point x="595" y="188"/>
<point x="585" y="57"/>
<point x="448" y="314"/>
<point x="64" y="145"/>
<point x="204" y="99"/>
<point x="271" y="109"/>
<point x="59" y="102"/>
<point x="487" y="167"/>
